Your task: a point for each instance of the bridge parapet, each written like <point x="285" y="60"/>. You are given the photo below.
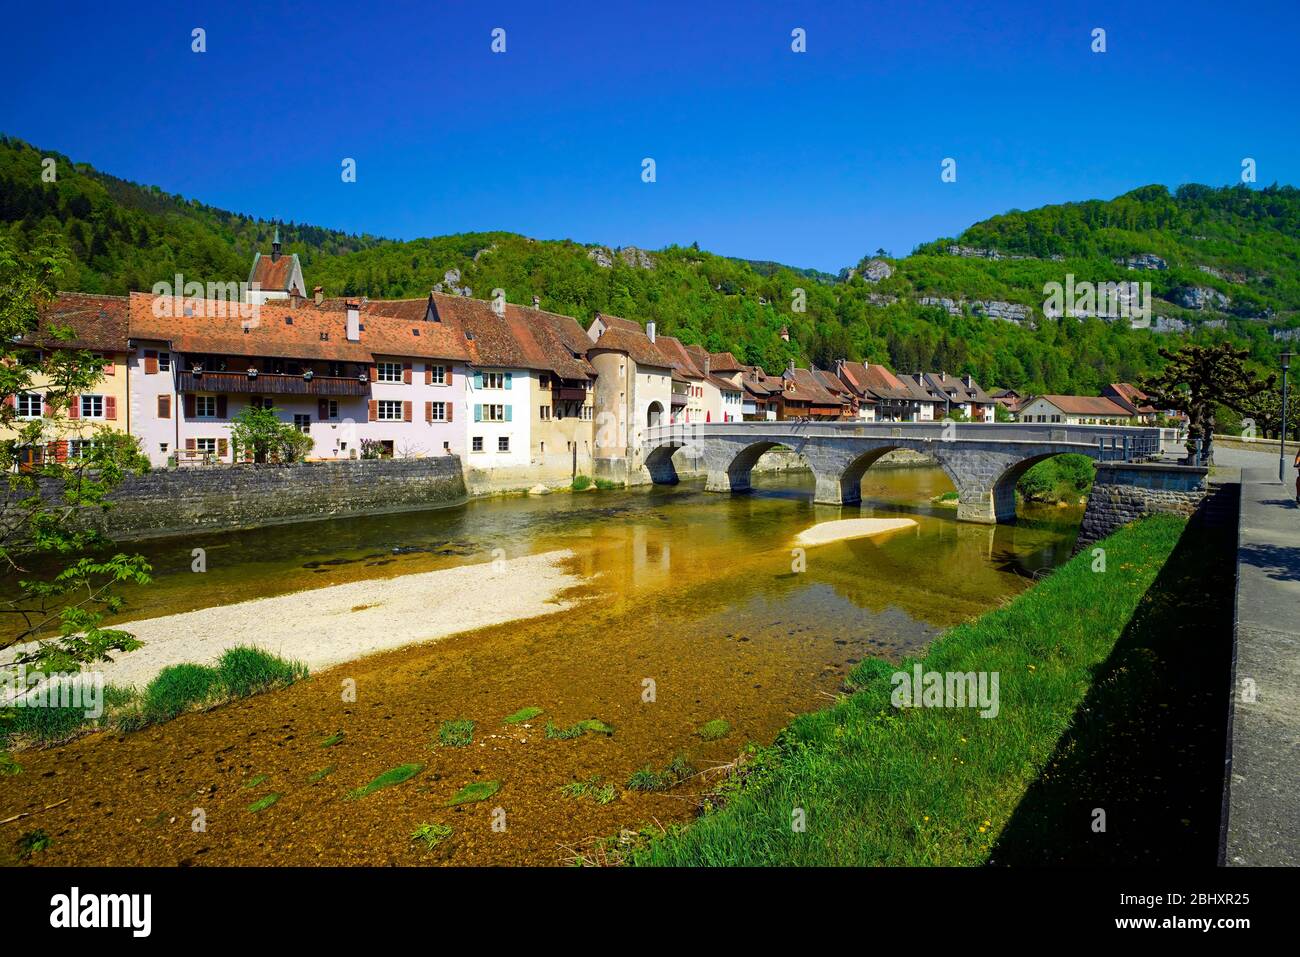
<point x="984" y="461"/>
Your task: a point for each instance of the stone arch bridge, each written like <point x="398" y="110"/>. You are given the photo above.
<point x="984" y="461"/>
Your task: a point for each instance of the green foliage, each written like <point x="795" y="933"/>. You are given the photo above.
<point x="472" y="793"/>
<point x="32" y="842"/>
<point x="245" y="671"/>
<point x="522" y="715"/>
<point x="260" y="433"/>
<point x="262" y="803"/>
<point x="456" y="734"/>
<point x="1061" y="478"/>
<point x="588" y="726"/>
<point x="403" y="772"/>
<point x="180" y="688"/>
<point x="648" y="779"/>
<point x="431" y="834"/>
<point x="715" y="729"/>
<point x="581" y="483"/>
<point x="593" y="788"/>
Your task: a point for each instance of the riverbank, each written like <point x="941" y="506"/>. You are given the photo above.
<point x="323" y="627"/>
<point x="1104" y="701"/>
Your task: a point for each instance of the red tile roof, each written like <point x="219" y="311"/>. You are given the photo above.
<point x="724" y="362"/>
<point x="1087" y="405"/>
<point x="1127" y="394"/>
<point x="633" y="344"/>
<point x="98" y="323"/>
<point x="274" y="276"/>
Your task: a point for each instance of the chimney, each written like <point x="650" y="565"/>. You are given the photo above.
<point x="275" y="246"/>
<point x="969" y="380"/>
<point x="537" y="302"/>
<point x="839" y="369"/>
<point x="318" y="293"/>
<point x="354" y="322"/>
<point x="789" y="369"/>
<point x="943" y="377"/>
<point x="650" y="330"/>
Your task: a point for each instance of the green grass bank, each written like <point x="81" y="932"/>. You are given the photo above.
<point x="1085" y="660"/>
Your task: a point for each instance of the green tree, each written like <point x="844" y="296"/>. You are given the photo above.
<point x="259" y="433"/>
<point x="65" y="578"/>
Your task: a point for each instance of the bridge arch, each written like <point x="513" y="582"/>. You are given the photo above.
<point x="659" y="463"/>
<point x="847" y="488"/>
<point x="731" y="470"/>
<point x="1003" y="490"/>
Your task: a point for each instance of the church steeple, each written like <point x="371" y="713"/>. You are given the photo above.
<point x="275" y="245"/>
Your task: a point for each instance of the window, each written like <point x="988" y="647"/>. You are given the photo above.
<point x="164" y="407"/>
<point x="206" y="446"/>
<point x="302" y="423"/>
<point x="330" y="407"/>
<point x="80" y="448"/>
<point x="389" y="372"/>
<point x="438" y="375"/>
<point x="92" y="406"/>
<point x="437" y="412"/>
<point x="29" y="405"/>
<point x="476" y="444"/>
<point x="162" y="447"/>
<point x="390" y="410"/>
<point x="494" y="380"/>
<point x="164" y="362"/>
<point x="262" y="402"/>
<point x="545" y="412"/>
<point x="494" y="413"/>
<point x="205" y="407"/>
<point x="586" y="413"/>
<point x="544" y="381"/>
<point x="503" y="443"/>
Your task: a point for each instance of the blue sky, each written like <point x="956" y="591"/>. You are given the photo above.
<point x="811" y="159"/>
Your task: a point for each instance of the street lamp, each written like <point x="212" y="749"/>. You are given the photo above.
<point x="1281" y="454"/>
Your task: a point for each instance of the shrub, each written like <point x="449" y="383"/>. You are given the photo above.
<point x="581" y="483"/>
<point x="180" y="688"/>
<point x="246" y="671"/>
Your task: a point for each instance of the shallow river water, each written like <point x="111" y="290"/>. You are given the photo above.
<point x="690" y="610"/>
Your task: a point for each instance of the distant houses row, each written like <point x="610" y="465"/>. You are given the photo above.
<point x="517" y="392"/>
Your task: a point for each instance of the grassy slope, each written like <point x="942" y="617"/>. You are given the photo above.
<point x="934" y="786"/>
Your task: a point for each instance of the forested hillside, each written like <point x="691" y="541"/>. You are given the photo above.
<point x="1222" y="264"/>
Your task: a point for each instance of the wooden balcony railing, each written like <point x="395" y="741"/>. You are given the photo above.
<point x="268" y="383"/>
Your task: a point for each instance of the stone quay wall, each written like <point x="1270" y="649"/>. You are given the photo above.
<point x="1125" y="492"/>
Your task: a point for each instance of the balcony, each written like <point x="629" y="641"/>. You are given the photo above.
<point x="267" y="383"/>
<point x="679" y="400"/>
<point x="568" y="394"/>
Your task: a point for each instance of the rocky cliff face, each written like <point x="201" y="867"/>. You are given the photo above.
<point x="1200" y="297"/>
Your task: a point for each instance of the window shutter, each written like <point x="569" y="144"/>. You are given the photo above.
<point x="10" y="401"/>
<point x="509" y="409"/>
<point x="222" y="406"/>
<point x="189" y="405"/>
<point x="110" y="366"/>
<point x="406" y="411"/>
<point x="151" y="362"/>
<point x="74" y="406"/>
<point x="478" y="412"/>
<point x="60" y="450"/>
<point x="406" y="373"/>
<point x="374" y="373"/>
<point x="446" y="376"/>
<point x="446" y="411"/>
<point x="110" y="407"/>
<point x="223" y="446"/>
<point x="164" y="407"/>
<point x="478" y="381"/>
<point x="428" y="411"/>
<point x="428" y="374"/>
<point x="46" y="408"/>
<point x="374" y="410"/>
<point x="509" y="379"/>
<point x="190" y="445"/>
<point x="322" y="410"/>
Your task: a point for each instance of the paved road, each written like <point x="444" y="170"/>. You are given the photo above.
<point x="1263" y="825"/>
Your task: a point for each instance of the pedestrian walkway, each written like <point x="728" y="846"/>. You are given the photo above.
<point x="1262" y="824"/>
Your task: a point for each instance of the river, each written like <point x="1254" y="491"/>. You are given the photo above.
<point x="693" y="607"/>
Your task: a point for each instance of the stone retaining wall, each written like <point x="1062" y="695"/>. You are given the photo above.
<point x="169" y="502"/>
<point x="1123" y="493"/>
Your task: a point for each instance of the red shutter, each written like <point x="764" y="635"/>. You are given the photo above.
<point x="406" y="411"/>
<point x="110" y="367"/>
<point x="323" y="410"/>
<point x="222" y="406"/>
<point x="191" y="445"/>
<point x="60" y="450"/>
<point x="223" y="447"/>
<point x="46" y="408"/>
<point x="74" y="406"/>
<point x="428" y="411"/>
<point x="446" y="378"/>
<point x="428" y="374"/>
<point x="164" y="407"/>
<point x="446" y="409"/>
<point x="189" y="405"/>
<point x="150" y="362"/>
<point x="374" y="373"/>
<point x="374" y="410"/>
<point x="406" y="373"/>
<point x="10" y="401"/>
<point x="110" y="407"/>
